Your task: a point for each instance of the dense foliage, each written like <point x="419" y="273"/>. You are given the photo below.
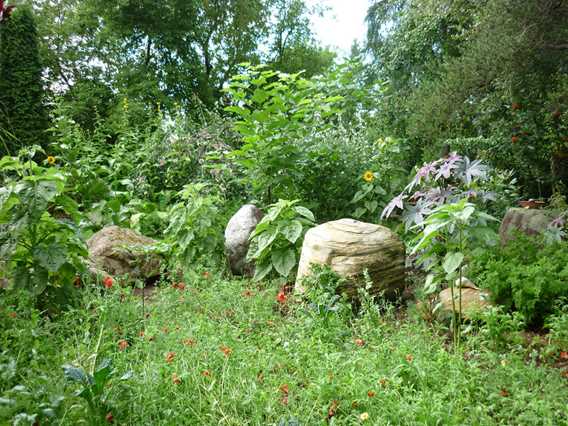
<point x="166" y="118"/>
<point x="23" y="114"/>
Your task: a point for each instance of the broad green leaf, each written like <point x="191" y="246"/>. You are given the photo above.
<point x="292" y="231"/>
<point x="51" y="257"/>
<point x="262" y="270"/>
<point x="75" y="374"/>
<point x="302" y="211"/>
<point x="452" y="261"/>
<point x="284" y="261"/>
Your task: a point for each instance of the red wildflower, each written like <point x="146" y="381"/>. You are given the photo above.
<point x="285" y="389"/>
<point x="175" y="379"/>
<point x="332" y="409"/>
<point x="383" y="382"/>
<point x="122" y="344"/>
<point x="514" y="139"/>
<point x="170" y="357"/>
<point x="360" y="342"/>
<point x="109" y="417"/>
<point x="226" y="350"/>
<point x="281" y="298"/>
<point x="563" y="355"/>
<point x="371" y="394"/>
<point x="141" y="334"/>
<point x="108" y="282"/>
<point x="77" y="282"/>
<point x="188" y="342"/>
<point x="206" y="275"/>
<point x="409" y="357"/>
<point x="179" y="286"/>
<point x="248" y="293"/>
<point x="504" y="392"/>
<point x="206" y="373"/>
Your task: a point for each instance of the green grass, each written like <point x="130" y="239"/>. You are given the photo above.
<point x="284" y="368"/>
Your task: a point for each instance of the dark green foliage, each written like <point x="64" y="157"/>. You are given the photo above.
<point x="489" y="71"/>
<point x="524" y="276"/>
<point x="23" y="116"/>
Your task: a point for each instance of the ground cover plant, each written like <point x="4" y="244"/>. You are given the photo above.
<point x="132" y="136"/>
<point x="219" y="352"/>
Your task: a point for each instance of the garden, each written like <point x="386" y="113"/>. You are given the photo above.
<point x="207" y="217"/>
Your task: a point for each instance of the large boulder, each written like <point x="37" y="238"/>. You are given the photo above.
<point x="350" y="248"/>
<point x="120" y="251"/>
<point x="237" y="234"/>
<point x="527" y="221"/>
<point x="473" y="299"/>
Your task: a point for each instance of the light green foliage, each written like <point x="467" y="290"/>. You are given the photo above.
<point x="41" y="242"/>
<point x="277" y="240"/>
<point x="447" y="235"/>
<point x="324" y="298"/>
<point x="195" y="228"/>
<point x="94" y="387"/>
<point x="276" y="112"/>
<point x="525" y="276"/>
<point x="318" y="363"/>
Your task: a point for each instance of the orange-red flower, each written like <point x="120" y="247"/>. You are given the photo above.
<point x="281" y="297"/>
<point x="563" y="355"/>
<point x="109" y="417"/>
<point x="206" y="373"/>
<point x="77" y="282"/>
<point x="170" y="357"/>
<point x="409" y="357"/>
<point x="371" y="394"/>
<point x="504" y="392"/>
<point x="179" y="286"/>
<point x="108" y="282"/>
<point x="206" y="275"/>
<point x="122" y="344"/>
<point x="383" y="382"/>
<point x="226" y="350"/>
<point x="141" y="333"/>
<point x="514" y="139"/>
<point x="176" y="379"/>
<point x="189" y="342"/>
<point x="285" y="389"/>
<point x="248" y="293"/>
<point x="360" y="342"/>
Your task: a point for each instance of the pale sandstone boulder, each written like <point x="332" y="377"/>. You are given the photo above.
<point x="237" y="234"/>
<point x="119" y="251"/>
<point x="473" y="299"/>
<point x="350" y="247"/>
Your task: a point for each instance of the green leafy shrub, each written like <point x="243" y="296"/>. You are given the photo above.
<point x="195" y="226"/>
<point x="277" y="239"/>
<point x="275" y="111"/>
<point x="40" y="240"/>
<point x="525" y="276"/>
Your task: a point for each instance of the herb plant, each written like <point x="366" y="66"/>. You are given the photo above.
<point x="277" y="239"/>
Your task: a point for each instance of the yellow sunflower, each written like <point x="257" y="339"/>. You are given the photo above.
<point x="51" y="160"/>
<point x="368" y="176"/>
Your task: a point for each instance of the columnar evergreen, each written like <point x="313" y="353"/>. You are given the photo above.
<point x="23" y="115"/>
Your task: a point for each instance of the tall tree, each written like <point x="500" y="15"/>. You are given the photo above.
<point x="23" y="115"/>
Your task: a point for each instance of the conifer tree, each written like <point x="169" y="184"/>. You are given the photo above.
<point x="23" y="115"/>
